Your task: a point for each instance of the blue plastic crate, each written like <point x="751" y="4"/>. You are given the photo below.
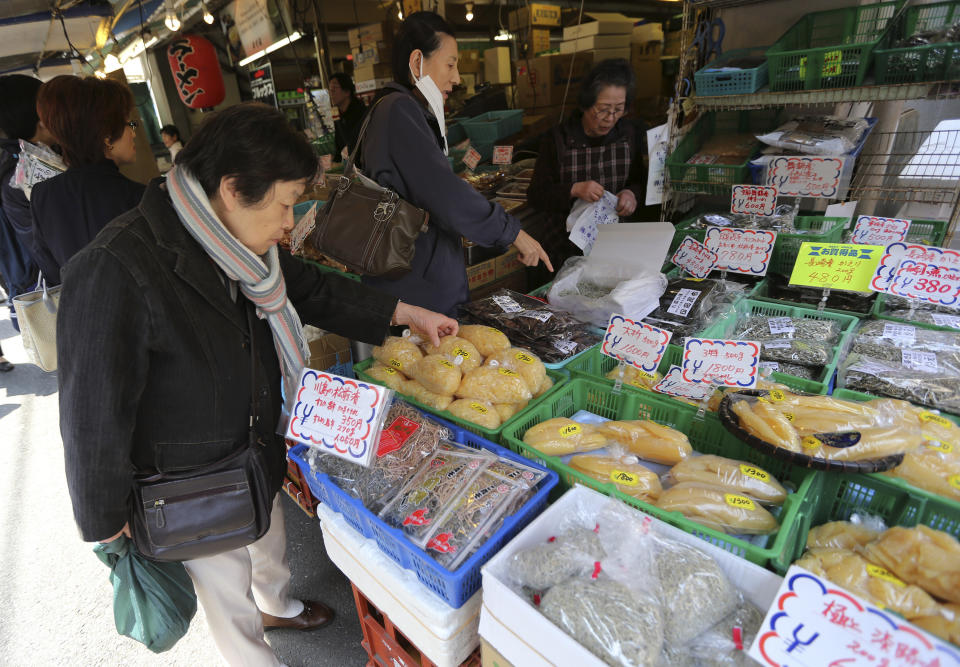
<point x="493" y="125"/>
<point x="745" y="81"/>
<point x="454" y="587"/>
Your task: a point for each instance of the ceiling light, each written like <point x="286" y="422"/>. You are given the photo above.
<point x="172" y="22"/>
<point x="100" y="74"/>
<point x="400" y="13"/>
<point x="502" y="36"/>
<point x="270" y="49"/>
<point x="469" y="15"/>
<point x="207" y="16"/>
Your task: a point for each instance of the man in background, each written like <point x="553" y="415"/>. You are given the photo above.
<point x="343" y="95"/>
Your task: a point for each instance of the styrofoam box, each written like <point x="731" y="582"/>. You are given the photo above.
<point x="445" y="635"/>
<point x="526" y="637"/>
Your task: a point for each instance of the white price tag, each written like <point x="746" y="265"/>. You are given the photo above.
<point x="507" y="304"/>
<point x="639" y="344"/>
<point x="683" y="302"/>
<point x="869" y="367"/>
<point x="753" y="199"/>
<point x="772" y="365"/>
<point x="935" y="283"/>
<point x="472" y="158"/>
<point x="541" y="315"/>
<point x="942" y="320"/>
<point x="903" y="333"/>
<point x="673" y="384"/>
<point x="746" y="251"/>
<point x="502" y="154"/>
<point x="781" y="344"/>
<point x="565" y="346"/>
<point x="872" y="230"/>
<point x="781" y="325"/>
<point x="925" y="362"/>
<point x="806" y="176"/>
<point x="694" y="258"/>
<point x="942" y="259"/>
<point x="732" y="363"/>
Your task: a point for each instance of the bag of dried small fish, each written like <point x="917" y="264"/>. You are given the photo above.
<point x="765" y="327"/>
<point x="738" y="477"/>
<point x="730" y="513"/>
<point x="573" y="552"/>
<point x="561" y="436"/>
<point x="918" y="376"/>
<point x="398" y="353"/>
<point x="726" y="643"/>
<point x="625" y="472"/>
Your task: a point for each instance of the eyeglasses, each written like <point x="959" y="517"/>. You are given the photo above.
<point x="609" y="112"/>
<point x="133" y="123"/>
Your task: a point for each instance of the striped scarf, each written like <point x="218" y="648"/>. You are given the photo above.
<point x="259" y="276"/>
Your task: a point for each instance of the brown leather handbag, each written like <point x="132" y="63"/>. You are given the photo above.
<point x="367" y="227"/>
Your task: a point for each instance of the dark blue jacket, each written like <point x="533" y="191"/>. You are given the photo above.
<point x="16" y="260"/>
<point x="403" y="151"/>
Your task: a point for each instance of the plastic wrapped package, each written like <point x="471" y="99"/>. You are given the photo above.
<point x="387" y="376"/>
<point x="730" y="513"/>
<point x="922" y="556"/>
<point x="761" y="420"/>
<point x="934" y="317"/>
<point x="796" y="370"/>
<point x="485" y="339"/>
<point x="886" y="340"/>
<point x="945" y="624"/>
<point x="544" y="387"/>
<point x="733" y="476"/>
<point x="648" y="440"/>
<point x="778" y="287"/>
<point x="634" y="376"/>
<point x="399" y="353"/>
<point x="765" y="328"/>
<point x="508" y="410"/>
<point x="842" y="535"/>
<point x="437" y="374"/>
<point x="782" y="219"/>
<point x="811" y="353"/>
<point x="574" y="552"/>
<point x="926" y="380"/>
<point x="725" y="644"/>
<point x="688" y="306"/>
<point x="561" y="436"/>
<point x="817" y="135"/>
<point x="524" y="362"/>
<point x="415" y="390"/>
<point x="593" y="291"/>
<point x="481" y="413"/>
<point x="494" y="384"/>
<point x="933" y="467"/>
<point x="624" y="471"/>
<point x="457" y="346"/>
<point x="36" y="163"/>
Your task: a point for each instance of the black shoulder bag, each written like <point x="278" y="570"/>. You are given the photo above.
<point x="209" y="509"/>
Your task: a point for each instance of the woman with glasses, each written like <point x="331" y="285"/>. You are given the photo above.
<point x="90" y="119"/>
<point x="596" y="150"/>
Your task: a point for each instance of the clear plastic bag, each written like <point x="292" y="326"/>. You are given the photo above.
<point x="817" y="135"/>
<point x="933" y="381"/>
<point x="886" y="340"/>
<point x="739" y="477"/>
<point x="36" y="163"/>
<point x="726" y="643"/>
<point x="730" y="513"/>
<point x="851" y="534"/>
<point x="922" y="556"/>
<point x="766" y="328"/>
<point x="573" y="552"/>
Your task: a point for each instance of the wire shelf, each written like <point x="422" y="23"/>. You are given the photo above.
<point x="886" y="93"/>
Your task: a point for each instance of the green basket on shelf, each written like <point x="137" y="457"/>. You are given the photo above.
<point x="879" y="308"/>
<point x="828" y="49"/>
<point x="928" y="232"/>
<point x="762" y="293"/>
<point x="706" y="436"/>
<point x="928" y="62"/>
<point x="559" y="379"/>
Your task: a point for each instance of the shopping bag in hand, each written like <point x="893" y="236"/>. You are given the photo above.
<point x="153" y="602"/>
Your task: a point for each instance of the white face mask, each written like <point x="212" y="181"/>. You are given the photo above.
<point x="426" y="85"/>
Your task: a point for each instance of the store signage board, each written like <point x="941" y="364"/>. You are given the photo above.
<point x="753" y="199"/>
<point x="339" y="415"/>
<point x="303" y="227"/>
<point x="936" y="284"/>
<point x="472" y="158"/>
<point x="806" y="176"/>
<point x="695" y="258"/>
<point x="814" y="623"/>
<point x="636" y="343"/>
<point x="745" y="251"/>
<point x="673" y="384"/>
<point x="502" y="155"/>
<point x="895" y="253"/>
<point x="872" y="230"/>
<point x="836" y="266"/>
<point x="717" y="361"/>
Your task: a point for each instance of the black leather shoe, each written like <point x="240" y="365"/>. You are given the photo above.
<point x="314" y="615"/>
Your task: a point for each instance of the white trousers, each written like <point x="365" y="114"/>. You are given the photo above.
<point x="233" y="587"/>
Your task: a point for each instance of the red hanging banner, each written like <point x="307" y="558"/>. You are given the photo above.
<point x="196" y="71"/>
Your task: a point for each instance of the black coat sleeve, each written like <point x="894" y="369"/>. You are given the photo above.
<point x="39" y="248"/>
<point x="336" y="303"/>
<point x="548" y="192"/>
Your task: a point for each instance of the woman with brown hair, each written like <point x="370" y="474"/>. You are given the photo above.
<point x="90" y="119"/>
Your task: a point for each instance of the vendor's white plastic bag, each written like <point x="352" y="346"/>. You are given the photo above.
<point x="585" y="217"/>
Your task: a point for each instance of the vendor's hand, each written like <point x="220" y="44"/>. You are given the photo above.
<point x="626" y="203"/>
<point x="124" y="531"/>
<point x="588" y="191"/>
<point x="530" y="251"/>
<point x="425" y="322"/>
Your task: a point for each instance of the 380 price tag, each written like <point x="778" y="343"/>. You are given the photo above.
<point x="933" y="283"/>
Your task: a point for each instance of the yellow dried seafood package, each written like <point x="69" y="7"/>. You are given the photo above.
<point x="934" y="467"/>
<point x="494" y="384"/>
<point x="635" y="376"/>
<point x="455" y="346"/>
<point x="431" y="399"/>
<point x="544" y="387"/>
<point x="648" y="440"/>
<point x="524" y="362"/>
<point x="480" y="413"/>
<point x="840" y="535"/>
<point x="398" y="353"/>
<point x="730" y="475"/>
<point x="945" y="624"/>
<point x="561" y="436"/>
<point x="727" y="512"/>
<point x="387" y="375"/>
<point x="437" y="373"/>
<point x="486" y="339"/>
<point x="761" y="420"/>
<point x="508" y="410"/>
<point x="624" y="471"/>
<point x="922" y="556"/>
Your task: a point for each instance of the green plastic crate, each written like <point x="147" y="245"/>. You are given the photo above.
<point x="828" y="49"/>
<point x="559" y="379"/>
<point x="716" y="178"/>
<point x="879" y="307"/>
<point x="706" y="436"/>
<point x="762" y="293"/>
<point x="928" y="232"/>
<point x="914" y="64"/>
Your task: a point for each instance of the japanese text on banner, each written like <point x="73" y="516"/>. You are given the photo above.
<point x="638" y="344"/>
<point x="836" y="266"/>
<point x="928" y="282"/>
<point x="753" y="199"/>
<point x="806" y="176"/>
<point x="673" y="384"/>
<point x="814" y="623"/>
<point x="895" y="253"/>
<point x="871" y="230"/>
<point x="732" y="363"/>
<point x="741" y="250"/>
<point x="339" y="415"/>
<point x="695" y="258"/>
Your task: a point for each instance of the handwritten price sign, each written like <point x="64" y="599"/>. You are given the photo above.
<point x="836" y="266"/>
<point x="635" y="343"/>
<point x="805" y="176"/>
<point x="731" y="363"/>
<point x="472" y="158"/>
<point x="895" y="253"/>
<point x="753" y="199"/>
<point x="502" y="154"/>
<point x="814" y="623"/>
<point x="741" y="250"/>
<point x="928" y="282"/>
<point x="303" y="227"/>
<point x="695" y="258"/>
<point x="339" y="415"/>
<point x="871" y="230"/>
<point x="673" y="384"/>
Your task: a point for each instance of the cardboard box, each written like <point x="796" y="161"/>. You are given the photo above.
<point x="595" y="42"/>
<point x="496" y="65"/>
<point x="601" y="23"/>
<point x="328" y="351"/>
<point x="541" y="81"/>
<point x="377" y="71"/>
<point x="600" y="55"/>
<point x="470" y="61"/>
<point x="646" y="65"/>
<point x="371" y="54"/>
<point x="482" y="274"/>
<point x="539" y="40"/>
<point x="507" y="263"/>
<point x="490" y="657"/>
<point x="534" y="14"/>
<point x="516" y="281"/>
<point x="371" y="33"/>
<point x="647" y="32"/>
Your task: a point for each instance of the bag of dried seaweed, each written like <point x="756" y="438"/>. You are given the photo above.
<point x="764" y="328"/>
<point x="885" y="340"/>
<point x="796" y="370"/>
<point x="920" y="377"/>
<point x="817" y="134"/>
<point x="802" y="352"/>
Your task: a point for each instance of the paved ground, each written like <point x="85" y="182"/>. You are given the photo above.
<point x="55" y="598"/>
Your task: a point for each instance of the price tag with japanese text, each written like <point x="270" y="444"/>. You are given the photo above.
<point x="753" y="199"/>
<point x="695" y="258"/>
<point x="836" y="266"/>
<point x="805" y="176"/>
<point x="895" y="253"/>
<point x="303" y="227"/>
<point x="871" y="230"/>
<point x="815" y="623"/>
<point x="338" y="415"/>
<point x="472" y="158"/>
<point x="673" y="384"/>
<point x="636" y="343"/>
<point x="502" y="155"/>
<point x="731" y="363"/>
<point x="935" y="284"/>
<point x="741" y="250"/>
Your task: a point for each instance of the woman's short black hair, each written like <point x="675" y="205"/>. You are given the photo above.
<point x="18" y="106"/>
<point x="613" y="72"/>
<point x="253" y="143"/>
<point x="171" y="131"/>
<point x="420" y="30"/>
<point x="346" y="83"/>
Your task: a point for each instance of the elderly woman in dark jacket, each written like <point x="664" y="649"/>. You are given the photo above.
<point x="405" y="150"/>
<point x="154" y="334"/>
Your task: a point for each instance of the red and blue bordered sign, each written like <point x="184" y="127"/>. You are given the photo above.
<point x="731" y="363"/>
<point x="636" y="343"/>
